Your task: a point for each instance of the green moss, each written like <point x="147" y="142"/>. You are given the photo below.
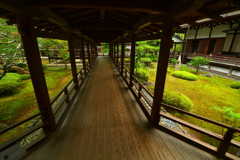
<point x="185" y="75"/>
<point x="177" y="100"/>
<point x="7" y="88"/>
<point x="12" y="77"/>
<point x="25" y="76"/>
<point x="235" y="85"/>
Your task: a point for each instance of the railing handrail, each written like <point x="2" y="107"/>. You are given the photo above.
<point x="21" y="122"/>
<point x="202" y="118"/>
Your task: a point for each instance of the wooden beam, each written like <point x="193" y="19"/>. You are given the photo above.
<point x="83" y="55"/>
<point x="132" y="59"/>
<point x="45" y="34"/>
<point x="235" y="3"/>
<point x="178" y="9"/>
<point x="72" y="59"/>
<point x="79" y="13"/>
<point x="30" y="45"/>
<point x="166" y="45"/>
<point x="102" y="14"/>
<point x="122" y="55"/>
<point x="150" y="6"/>
<point x="188" y="21"/>
<point x="101" y="26"/>
<point x="209" y="14"/>
<point x="144" y="38"/>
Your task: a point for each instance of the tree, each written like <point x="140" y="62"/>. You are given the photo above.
<point x="198" y="62"/>
<point x="10" y="48"/>
<point x="228" y="116"/>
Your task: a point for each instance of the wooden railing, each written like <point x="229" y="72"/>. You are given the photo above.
<point x="145" y="98"/>
<point x="23" y="134"/>
<point x="217" y="59"/>
<point x="59" y="104"/>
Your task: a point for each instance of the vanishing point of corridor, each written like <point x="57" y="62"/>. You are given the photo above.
<point x="105" y="122"/>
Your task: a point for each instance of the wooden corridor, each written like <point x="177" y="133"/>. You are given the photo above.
<point x="105" y="122"/>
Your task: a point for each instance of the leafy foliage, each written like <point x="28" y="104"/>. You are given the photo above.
<point x="25" y="76"/>
<point x="235" y="85"/>
<point x="229" y="117"/>
<point x="177" y="100"/>
<point x="10" y="46"/>
<point x="142" y="75"/>
<point x="174" y="61"/>
<point x="185" y="75"/>
<point x="8" y="87"/>
<point x="198" y="62"/>
<point x="13" y="77"/>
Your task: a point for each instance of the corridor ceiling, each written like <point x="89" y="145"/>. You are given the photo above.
<point x="108" y="20"/>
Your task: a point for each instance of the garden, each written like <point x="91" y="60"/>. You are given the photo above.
<point x="17" y="99"/>
<point x="189" y="88"/>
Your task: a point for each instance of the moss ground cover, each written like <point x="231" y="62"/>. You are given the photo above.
<point x="205" y="93"/>
<point x="22" y="103"/>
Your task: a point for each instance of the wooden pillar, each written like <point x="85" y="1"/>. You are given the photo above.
<point x="88" y="52"/>
<point x="110" y="50"/>
<point x="72" y="59"/>
<point x="83" y="55"/>
<point x="224" y="145"/>
<point x="132" y="62"/>
<point x="166" y="45"/>
<point x="30" y="45"/>
<point x="114" y="55"/>
<point x="117" y="54"/>
<point x="122" y="55"/>
<point x="96" y="50"/>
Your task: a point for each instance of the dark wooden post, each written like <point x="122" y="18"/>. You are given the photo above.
<point x="122" y="55"/>
<point x="88" y="52"/>
<point x="132" y="62"/>
<point x="114" y="55"/>
<point x="72" y="59"/>
<point x="166" y="45"/>
<point x="117" y="54"/>
<point x="224" y="145"/>
<point x="83" y="56"/>
<point x="96" y="50"/>
<point x="110" y="50"/>
<point x="30" y="45"/>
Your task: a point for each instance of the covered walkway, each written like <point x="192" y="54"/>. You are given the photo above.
<point x="105" y="122"/>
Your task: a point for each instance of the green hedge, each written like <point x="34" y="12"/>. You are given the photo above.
<point x="14" y="77"/>
<point x="142" y="74"/>
<point x="7" y="88"/>
<point x="185" y="75"/>
<point x="235" y="85"/>
<point x="177" y="100"/>
<point x="25" y="76"/>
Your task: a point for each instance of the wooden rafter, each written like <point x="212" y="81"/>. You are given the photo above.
<point x="209" y="14"/>
<point x="188" y="21"/>
<point x="80" y="13"/>
<point x="150" y="6"/>
<point x="101" y="26"/>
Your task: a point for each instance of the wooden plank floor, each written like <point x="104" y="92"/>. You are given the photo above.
<point x="105" y="122"/>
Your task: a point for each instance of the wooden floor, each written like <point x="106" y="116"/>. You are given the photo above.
<point x="105" y="122"/>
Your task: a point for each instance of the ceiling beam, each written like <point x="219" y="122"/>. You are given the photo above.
<point x="150" y="6"/>
<point x="188" y="21"/>
<point x="45" y="34"/>
<point x="208" y="14"/>
<point x="39" y="14"/>
<point x="101" y="26"/>
<point x="178" y="9"/>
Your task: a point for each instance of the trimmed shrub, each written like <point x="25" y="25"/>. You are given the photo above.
<point x="142" y="75"/>
<point x="8" y="87"/>
<point x="174" y="61"/>
<point x="235" y="85"/>
<point x="14" y="77"/>
<point x="185" y="75"/>
<point x="44" y="66"/>
<point x="177" y="100"/>
<point x="25" y="76"/>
